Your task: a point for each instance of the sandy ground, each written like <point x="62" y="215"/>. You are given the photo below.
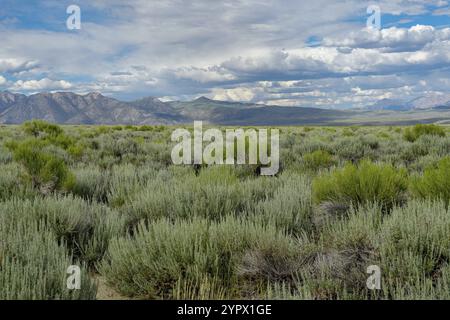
<point x="105" y="292"/>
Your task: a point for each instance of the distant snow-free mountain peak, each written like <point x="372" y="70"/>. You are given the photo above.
<point x="95" y="108"/>
<point x="428" y="101"/>
<point x="203" y="99"/>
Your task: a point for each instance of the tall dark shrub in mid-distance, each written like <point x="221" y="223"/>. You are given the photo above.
<point x="435" y="182"/>
<point x="412" y="134"/>
<point x="46" y="171"/>
<point x="39" y="127"/>
<point x="357" y="185"/>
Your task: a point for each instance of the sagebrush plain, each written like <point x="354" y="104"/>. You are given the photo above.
<point x="109" y="199"/>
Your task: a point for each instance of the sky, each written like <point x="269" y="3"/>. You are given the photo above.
<point x="310" y="53"/>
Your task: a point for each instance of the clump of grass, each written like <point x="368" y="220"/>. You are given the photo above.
<point x="361" y="184"/>
<point x="412" y="134"/>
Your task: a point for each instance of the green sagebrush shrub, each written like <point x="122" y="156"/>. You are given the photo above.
<point x="414" y="250"/>
<point x="84" y="228"/>
<point x="163" y="259"/>
<point x="180" y="194"/>
<point x="289" y="208"/>
<point x="91" y="183"/>
<point x="410" y="245"/>
<point x="423" y="146"/>
<point x="47" y="172"/>
<point x="352" y="149"/>
<point x="11" y="184"/>
<point x="5" y="155"/>
<point x="434" y="183"/>
<point x="114" y="186"/>
<point x="412" y="134"/>
<point x="34" y="260"/>
<point x="33" y="267"/>
<point x="348" y="247"/>
<point x="357" y="185"/>
<point x="125" y="180"/>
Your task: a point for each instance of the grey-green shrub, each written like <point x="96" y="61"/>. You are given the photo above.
<point x="152" y="262"/>
<point x="414" y="251"/>
<point x="289" y="208"/>
<point x="213" y="194"/>
<point x="5" y="155"/>
<point x="11" y="184"/>
<point x="34" y="261"/>
<point x="84" y="228"/>
<point x="91" y="183"/>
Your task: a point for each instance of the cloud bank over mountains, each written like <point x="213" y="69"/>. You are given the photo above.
<point x="314" y="53"/>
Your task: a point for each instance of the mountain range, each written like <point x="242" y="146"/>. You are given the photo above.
<point x="428" y="101"/>
<point x="95" y="108"/>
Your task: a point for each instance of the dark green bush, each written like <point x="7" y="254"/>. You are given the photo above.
<point x="318" y="159"/>
<point x="46" y="171"/>
<point x="435" y="182"/>
<point x="358" y="185"/>
<point x="412" y="134"/>
<point x="38" y="128"/>
<point x="51" y="133"/>
<point x="145" y="128"/>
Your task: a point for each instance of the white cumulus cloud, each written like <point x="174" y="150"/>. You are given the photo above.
<point x="391" y="39"/>
<point x="43" y="84"/>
